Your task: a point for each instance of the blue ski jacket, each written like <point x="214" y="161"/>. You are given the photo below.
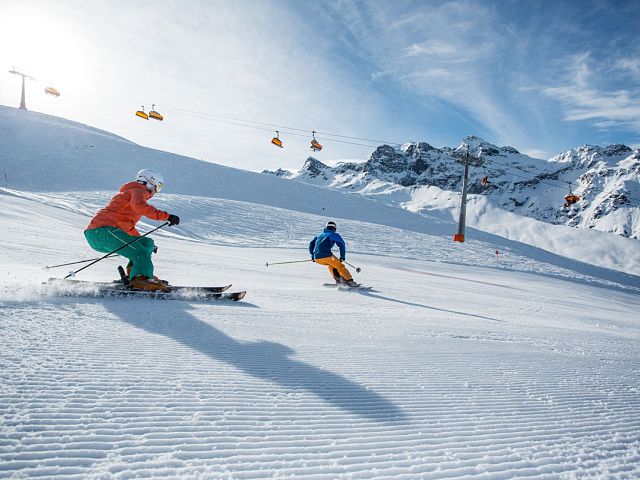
<point x="320" y="247"/>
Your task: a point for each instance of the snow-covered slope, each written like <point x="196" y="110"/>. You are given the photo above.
<point x="607" y="180"/>
<point x="445" y="371"/>
<point x="458" y="365"/>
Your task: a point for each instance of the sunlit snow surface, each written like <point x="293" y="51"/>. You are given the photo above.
<point x="458" y="365"/>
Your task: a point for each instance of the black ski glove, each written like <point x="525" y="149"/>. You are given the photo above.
<point x="173" y="220"/>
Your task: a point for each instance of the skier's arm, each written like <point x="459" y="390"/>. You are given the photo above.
<point x="340" y="242"/>
<point x="312" y="246"/>
<point x="139" y="205"/>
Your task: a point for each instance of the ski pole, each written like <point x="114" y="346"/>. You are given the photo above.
<point x="74" y="263"/>
<point x="358" y="269"/>
<point x="117" y="250"/>
<point x="283" y="263"/>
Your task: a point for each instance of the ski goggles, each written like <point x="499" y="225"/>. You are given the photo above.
<point x="157" y="186"/>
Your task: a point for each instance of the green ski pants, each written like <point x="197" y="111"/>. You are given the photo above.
<point x="108" y="239"/>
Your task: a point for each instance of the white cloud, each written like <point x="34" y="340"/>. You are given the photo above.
<point x="430" y="48"/>
<point x="632" y="64"/>
<point x="584" y="97"/>
<point x="443" y="52"/>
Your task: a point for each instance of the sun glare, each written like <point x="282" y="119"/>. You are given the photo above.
<point x="41" y="43"/>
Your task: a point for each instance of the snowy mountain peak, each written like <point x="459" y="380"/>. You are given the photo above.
<point x="313" y="165"/>
<point x="279" y="173"/>
<point x="474" y="142"/>
<point x="479" y="147"/>
<point x="590" y="155"/>
<point x="415" y="149"/>
<point x="616" y="150"/>
<point x="314" y="168"/>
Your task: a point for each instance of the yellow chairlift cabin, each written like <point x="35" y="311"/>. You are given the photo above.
<point x="142" y="114"/>
<point x="276" y="140"/>
<point x="571" y="198"/>
<point x="155" y="115"/>
<point x="315" y="146"/>
<point x="52" y="91"/>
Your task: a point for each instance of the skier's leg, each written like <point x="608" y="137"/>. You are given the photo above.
<point x="333" y="263"/>
<point x="332" y="270"/>
<point x="342" y="270"/>
<point x="141" y="262"/>
<point x="108" y="239"/>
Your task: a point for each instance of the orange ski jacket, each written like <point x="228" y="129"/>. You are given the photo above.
<point x="126" y="208"/>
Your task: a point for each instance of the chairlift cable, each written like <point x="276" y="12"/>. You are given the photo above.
<point x="288" y="130"/>
<point x="274" y="126"/>
<point x="278" y="126"/>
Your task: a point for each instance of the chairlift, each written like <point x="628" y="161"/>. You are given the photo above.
<point x="571" y="198"/>
<point x="315" y="145"/>
<point x="153" y="114"/>
<point x="485" y="175"/>
<point x="142" y="114"/>
<point x="276" y="140"/>
<point x="52" y="91"/>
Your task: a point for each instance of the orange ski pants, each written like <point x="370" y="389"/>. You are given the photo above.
<point x="335" y="265"/>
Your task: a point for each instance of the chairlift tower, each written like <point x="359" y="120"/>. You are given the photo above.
<point x="462" y="218"/>
<point x="23" y="103"/>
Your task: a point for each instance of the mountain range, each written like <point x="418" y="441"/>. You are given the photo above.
<point x="420" y="177"/>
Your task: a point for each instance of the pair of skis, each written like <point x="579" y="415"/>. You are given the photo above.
<point x="121" y="288"/>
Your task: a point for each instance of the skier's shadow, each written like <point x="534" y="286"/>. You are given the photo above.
<point x="265" y="360"/>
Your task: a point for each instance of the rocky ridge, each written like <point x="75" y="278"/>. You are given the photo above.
<point x="607" y="180"/>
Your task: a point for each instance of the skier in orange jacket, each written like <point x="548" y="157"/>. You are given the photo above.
<point x="115" y="225"/>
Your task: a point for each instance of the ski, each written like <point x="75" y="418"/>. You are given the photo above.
<point x="360" y="288"/>
<point x="346" y="287"/>
<point x="118" y="284"/>
<point x="81" y="288"/>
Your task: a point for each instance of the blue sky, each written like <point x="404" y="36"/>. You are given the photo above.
<point x="540" y="76"/>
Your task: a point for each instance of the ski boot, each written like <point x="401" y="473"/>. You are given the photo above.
<point x="128" y="272"/>
<point x="148" y="284"/>
<point x="164" y="282"/>
<point x="352" y="284"/>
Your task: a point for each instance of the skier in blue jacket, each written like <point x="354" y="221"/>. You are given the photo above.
<point x="320" y="250"/>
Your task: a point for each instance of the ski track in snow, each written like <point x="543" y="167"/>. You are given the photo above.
<point x="445" y="371"/>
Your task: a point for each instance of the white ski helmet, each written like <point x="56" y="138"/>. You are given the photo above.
<point x="331" y="225"/>
<point x="153" y="180"/>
